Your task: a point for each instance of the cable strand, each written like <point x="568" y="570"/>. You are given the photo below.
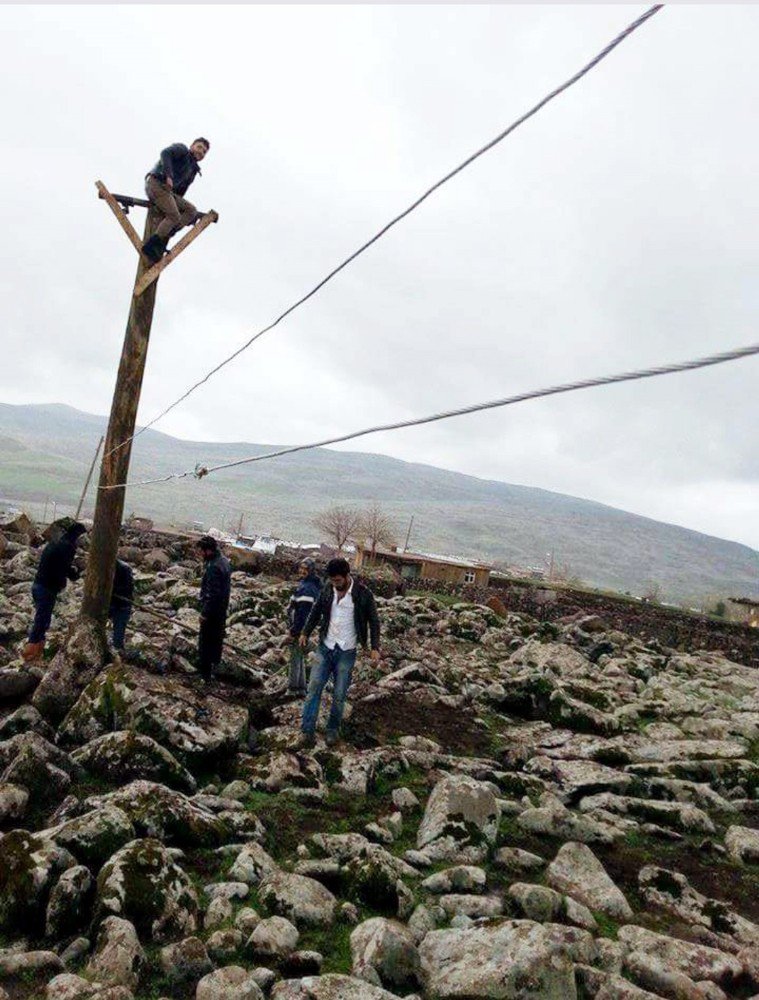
<point x="607" y="50"/>
<point x="201" y="471"/>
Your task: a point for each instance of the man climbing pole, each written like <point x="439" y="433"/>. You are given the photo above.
<point x="165" y="186"/>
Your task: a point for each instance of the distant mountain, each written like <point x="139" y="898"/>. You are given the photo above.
<point x="45" y="451"/>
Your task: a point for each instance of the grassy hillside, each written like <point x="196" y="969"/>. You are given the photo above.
<point x="45" y="451"/>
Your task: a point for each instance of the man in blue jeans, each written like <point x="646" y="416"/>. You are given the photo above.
<point x="346" y="615"/>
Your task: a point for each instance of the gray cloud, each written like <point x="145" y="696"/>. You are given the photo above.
<point x="615" y="230"/>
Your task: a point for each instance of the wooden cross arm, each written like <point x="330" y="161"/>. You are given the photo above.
<point x="150" y="276"/>
<point x="121" y="218"/>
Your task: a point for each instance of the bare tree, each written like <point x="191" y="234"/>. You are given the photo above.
<point x="651" y="592"/>
<point x="376" y="528"/>
<point x="339" y="524"/>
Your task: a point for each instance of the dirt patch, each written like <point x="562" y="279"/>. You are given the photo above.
<point x="714" y="877"/>
<point x="409" y="713"/>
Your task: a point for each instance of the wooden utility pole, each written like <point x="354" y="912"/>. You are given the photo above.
<point x="89" y="477"/>
<point x="114" y="469"/>
<point x="408" y="533"/>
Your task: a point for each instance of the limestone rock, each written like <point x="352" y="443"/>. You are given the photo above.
<point x="118" y="956"/>
<point x="696" y="961"/>
<point x="29" y="868"/>
<point x="159" y="707"/>
<point x="13" y="802"/>
<point x="388" y="949"/>
<point x="332" y="987"/>
<point x="123" y="756"/>
<point x="142" y="883"/>
<point x="497" y="961"/>
<point x="68" y="907"/>
<point x="95" y="836"/>
<point x="577" y="872"/>
<point x="302" y="900"/>
<point x="186" y="961"/>
<point x="742" y="844"/>
<point x="273" y="938"/>
<point x="230" y="983"/>
<point x="168" y="815"/>
<point x="460" y="810"/>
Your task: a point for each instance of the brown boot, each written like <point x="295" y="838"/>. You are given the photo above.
<point x="33" y="651"/>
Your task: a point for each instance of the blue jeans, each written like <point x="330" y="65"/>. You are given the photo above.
<point x="120" y="618"/>
<point x="337" y="663"/>
<point x="44" y="602"/>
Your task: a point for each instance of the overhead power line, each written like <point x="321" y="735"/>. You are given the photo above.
<point x="714" y="359"/>
<point x="607" y="50"/>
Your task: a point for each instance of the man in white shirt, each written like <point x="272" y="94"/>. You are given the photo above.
<point x="346" y="615"/>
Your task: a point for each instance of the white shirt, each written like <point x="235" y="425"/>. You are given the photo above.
<point x="342" y="624"/>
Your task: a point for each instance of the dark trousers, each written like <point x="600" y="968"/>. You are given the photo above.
<point x="210" y="644"/>
<point x="120" y="617"/>
<point x="44" y="602"/>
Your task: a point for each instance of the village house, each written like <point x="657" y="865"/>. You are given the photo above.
<point x="744" y="610"/>
<point x="419" y="565"/>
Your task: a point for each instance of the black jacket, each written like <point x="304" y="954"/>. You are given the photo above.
<point x="178" y="163"/>
<point x="215" y="587"/>
<point x="364" y="614"/>
<point x="56" y="564"/>
<point x="123" y="586"/>
<point x="301" y="603"/>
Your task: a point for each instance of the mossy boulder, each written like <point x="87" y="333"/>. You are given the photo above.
<point x="160" y="707"/>
<point x="29" y="867"/>
<point x="158" y="811"/>
<point x="126" y="755"/>
<point x="143" y="884"/>
<point x="95" y="836"/>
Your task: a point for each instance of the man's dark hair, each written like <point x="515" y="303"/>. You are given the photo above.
<point x="338" y="567"/>
<point x="202" y="139"/>
<point x="75" y="530"/>
<point x="208" y="543"/>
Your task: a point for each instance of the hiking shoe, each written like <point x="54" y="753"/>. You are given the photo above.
<point x="33" y="651"/>
<point x="331" y="738"/>
<point x="308" y="741"/>
<point x="153" y="248"/>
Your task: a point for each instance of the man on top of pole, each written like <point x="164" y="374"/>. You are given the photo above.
<point x="165" y="186"/>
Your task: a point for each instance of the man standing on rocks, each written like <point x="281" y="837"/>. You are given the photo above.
<point x="214" y="602"/>
<point x="122" y="595"/>
<point x="166" y="185"/>
<point x="56" y="566"/>
<point x="345" y="615"/>
<point x="301" y="604"/>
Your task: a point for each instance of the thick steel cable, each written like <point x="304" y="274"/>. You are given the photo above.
<point x="714" y="359"/>
<point x="402" y="215"/>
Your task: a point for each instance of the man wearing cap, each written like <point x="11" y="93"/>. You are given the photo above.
<point x="301" y="603"/>
<point x="166" y="185"/>
<point x="215" y="589"/>
<point x="56" y="567"/>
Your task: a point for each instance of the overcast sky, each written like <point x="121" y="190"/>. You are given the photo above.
<point x="617" y="229"/>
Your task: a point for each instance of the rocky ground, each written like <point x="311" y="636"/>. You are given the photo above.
<point x="518" y="810"/>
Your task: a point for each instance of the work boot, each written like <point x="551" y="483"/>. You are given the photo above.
<point x="33" y="651"/>
<point x="331" y="737"/>
<point x="308" y="742"/>
<point x="154" y="248"/>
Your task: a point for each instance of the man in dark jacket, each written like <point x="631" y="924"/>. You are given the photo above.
<point x="166" y="185"/>
<point x="346" y="615"/>
<point x="214" y="602"/>
<point x="301" y="603"/>
<point x="56" y="566"/>
<point x="121" y="602"/>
